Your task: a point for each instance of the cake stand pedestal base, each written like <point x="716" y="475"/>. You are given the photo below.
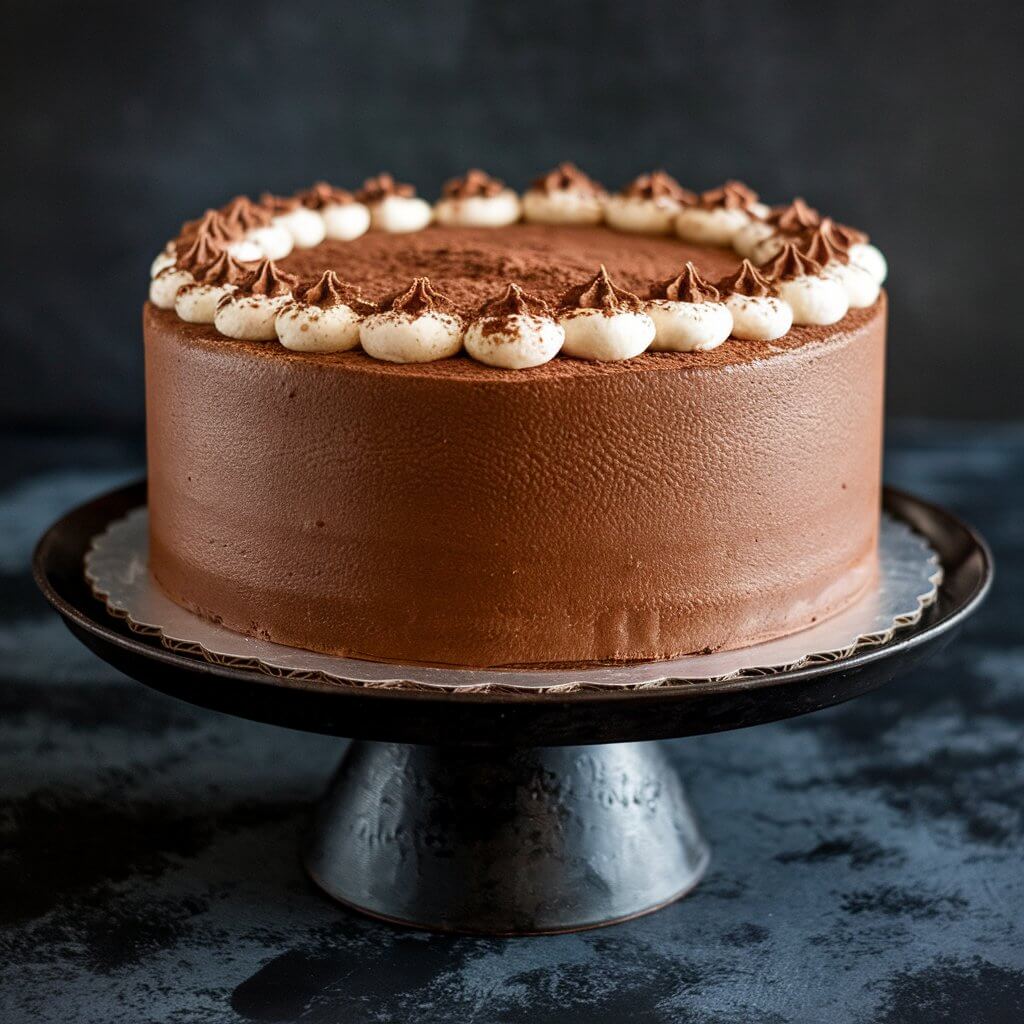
<point x="522" y="840"/>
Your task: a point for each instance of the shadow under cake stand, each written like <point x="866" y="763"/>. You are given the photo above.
<point x="501" y="810"/>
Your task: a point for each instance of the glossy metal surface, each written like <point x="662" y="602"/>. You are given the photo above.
<point x="510" y="841"/>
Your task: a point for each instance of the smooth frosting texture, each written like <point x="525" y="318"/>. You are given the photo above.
<point x="452" y="513"/>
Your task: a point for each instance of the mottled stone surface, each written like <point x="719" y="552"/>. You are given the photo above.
<point x="867" y="860"/>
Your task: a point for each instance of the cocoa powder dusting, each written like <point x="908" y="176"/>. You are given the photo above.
<point x="791" y="264"/>
<point x="329" y="290"/>
<point x="823" y="243"/>
<point x="225" y="269"/>
<point x="601" y="293"/>
<point x="473" y="265"/>
<point x="474" y="184"/>
<point x="268" y="279"/>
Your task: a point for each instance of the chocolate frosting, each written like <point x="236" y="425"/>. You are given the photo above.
<point x="321" y="194"/>
<point x="688" y="286"/>
<point x="823" y="243"/>
<point x="791" y="263"/>
<point x="793" y="218"/>
<point x="201" y="251"/>
<point x="278" y="204"/>
<point x="267" y="279"/>
<point x="418" y="298"/>
<point x="381" y="187"/>
<point x="659" y="185"/>
<point x="451" y="513"/>
<point x="514" y="302"/>
<point x="733" y="195"/>
<point x="847" y="236"/>
<point x="747" y="280"/>
<point x="213" y="225"/>
<point x="600" y="293"/>
<point x="567" y="177"/>
<point x="329" y="290"/>
<point x="473" y="184"/>
<point x="225" y="269"/>
<point x="242" y="214"/>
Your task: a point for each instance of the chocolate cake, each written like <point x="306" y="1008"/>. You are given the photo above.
<point x="552" y="429"/>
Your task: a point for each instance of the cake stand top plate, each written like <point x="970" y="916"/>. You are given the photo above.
<point x="500" y="718"/>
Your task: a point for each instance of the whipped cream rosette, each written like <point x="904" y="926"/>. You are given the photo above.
<point x="163" y="289"/>
<point x="197" y="301"/>
<point x="870" y="258"/>
<point x="248" y="312"/>
<point x="719" y="214"/>
<point x="852" y="242"/>
<point x="393" y="206"/>
<point x="565" y="195"/>
<point x="758" y="313"/>
<point x="604" y="322"/>
<point x="648" y="205"/>
<point x="514" y="331"/>
<point x="861" y="252"/>
<point x="790" y="219"/>
<point x="812" y="270"/>
<point x="256" y="236"/>
<point x="212" y="226"/>
<point x="323" y="317"/>
<point x="814" y="297"/>
<point x="688" y="313"/>
<point x="343" y="218"/>
<point x="217" y="228"/>
<point x="163" y="259"/>
<point x="417" y="325"/>
<point x="305" y="226"/>
<point x="476" y="200"/>
<point x="828" y="247"/>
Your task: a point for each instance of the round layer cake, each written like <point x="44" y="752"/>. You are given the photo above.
<point x="452" y="512"/>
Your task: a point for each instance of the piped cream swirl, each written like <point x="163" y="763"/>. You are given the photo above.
<point x="417" y="325"/>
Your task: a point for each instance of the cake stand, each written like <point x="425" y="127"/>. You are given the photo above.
<point x="498" y="812"/>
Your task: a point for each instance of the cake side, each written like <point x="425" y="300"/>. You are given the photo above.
<point x="677" y="504"/>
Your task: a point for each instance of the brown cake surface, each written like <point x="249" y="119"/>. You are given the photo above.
<point x="451" y="513"/>
<point x="471" y="265"/>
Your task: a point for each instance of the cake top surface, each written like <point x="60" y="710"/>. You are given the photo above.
<point x="653" y="266"/>
<point x="474" y="265"/>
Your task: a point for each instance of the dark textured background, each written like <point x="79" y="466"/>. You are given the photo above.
<point x="866" y="868"/>
<point x="122" y="119"/>
<point x="867" y="860"/>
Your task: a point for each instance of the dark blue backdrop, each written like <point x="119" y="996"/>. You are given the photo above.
<point x="124" y="118"/>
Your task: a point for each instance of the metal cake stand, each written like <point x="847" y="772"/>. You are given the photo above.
<point x="496" y="812"/>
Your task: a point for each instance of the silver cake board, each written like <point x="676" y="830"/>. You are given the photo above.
<point x="909" y="575"/>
